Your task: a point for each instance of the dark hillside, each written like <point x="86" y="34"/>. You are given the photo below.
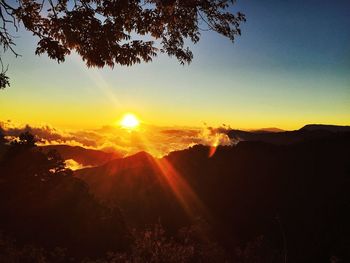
<point x="299" y="190"/>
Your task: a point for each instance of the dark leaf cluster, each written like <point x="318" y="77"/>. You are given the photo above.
<point x="110" y="32"/>
<point x="4" y="80"/>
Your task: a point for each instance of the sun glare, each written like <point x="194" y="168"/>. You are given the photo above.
<point x="129" y="121"/>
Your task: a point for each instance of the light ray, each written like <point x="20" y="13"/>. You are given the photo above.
<point x="181" y="189"/>
<point x="100" y="83"/>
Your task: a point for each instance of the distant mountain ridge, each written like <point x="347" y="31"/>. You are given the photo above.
<point x="83" y="156"/>
<point x="325" y="127"/>
<point x="308" y="132"/>
<point x="271" y="129"/>
<point x="92" y="157"/>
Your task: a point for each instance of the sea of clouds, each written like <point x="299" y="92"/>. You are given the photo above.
<point x="156" y="140"/>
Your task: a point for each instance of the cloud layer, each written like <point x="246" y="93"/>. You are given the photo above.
<point x="156" y="140"/>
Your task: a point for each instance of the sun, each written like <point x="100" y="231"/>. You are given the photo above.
<point x="129" y="121"/>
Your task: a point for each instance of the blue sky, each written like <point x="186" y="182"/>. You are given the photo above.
<point x="290" y="67"/>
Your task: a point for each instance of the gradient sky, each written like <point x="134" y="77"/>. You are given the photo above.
<point x="290" y="67"/>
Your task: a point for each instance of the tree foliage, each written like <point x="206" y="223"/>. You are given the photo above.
<point x="124" y="32"/>
<point x="42" y="203"/>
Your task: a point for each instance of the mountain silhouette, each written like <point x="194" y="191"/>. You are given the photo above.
<point x="42" y="204"/>
<point x="135" y="184"/>
<point x="308" y="132"/>
<point x="82" y="155"/>
<point x="277" y="193"/>
<point x="254" y="188"/>
<point x="324" y="127"/>
<point x="271" y="129"/>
